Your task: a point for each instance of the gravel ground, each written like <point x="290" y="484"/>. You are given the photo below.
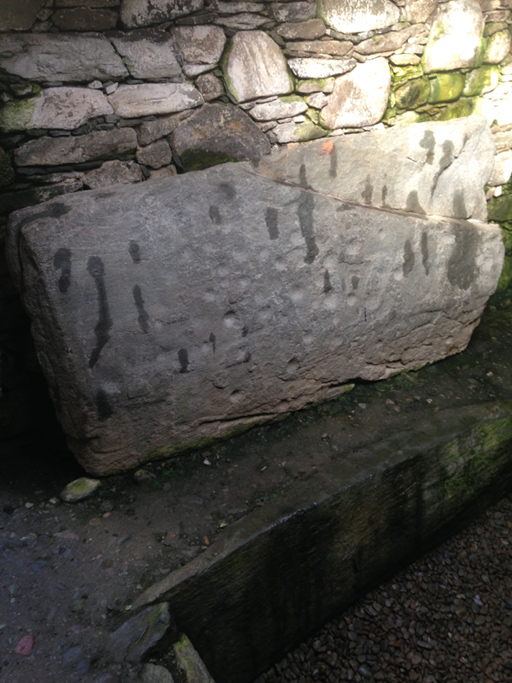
<point x="446" y="618"/>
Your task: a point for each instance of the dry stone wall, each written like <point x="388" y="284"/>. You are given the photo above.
<point x="104" y="92"/>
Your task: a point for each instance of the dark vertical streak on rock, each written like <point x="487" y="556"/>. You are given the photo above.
<point x="305" y="212"/>
<point x="215" y="215"/>
<point x="409" y="258"/>
<point x="134" y="250"/>
<point x="303" y="180"/>
<point x="428" y="142"/>
<point x="367" y="193"/>
<point x="183" y="360"/>
<point x="96" y="270"/>
<point x="139" y="303"/>
<point x="333" y="168"/>
<point x="212" y="341"/>
<point x="103" y="408"/>
<point x="271" y="221"/>
<point x="62" y="262"/>
<point x="327" y="282"/>
<point x="424" y="252"/>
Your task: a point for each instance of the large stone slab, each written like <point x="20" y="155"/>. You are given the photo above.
<point x="176" y="311"/>
<point x="20" y="15"/>
<point x="200" y="44"/>
<point x="254" y="66"/>
<point x="55" y="108"/>
<point x="51" y="57"/>
<point x="455" y="37"/>
<point x="437" y="168"/>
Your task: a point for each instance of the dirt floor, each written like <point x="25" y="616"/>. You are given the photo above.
<point x="69" y="572"/>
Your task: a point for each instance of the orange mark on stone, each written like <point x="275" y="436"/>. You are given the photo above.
<point x="327" y="148"/>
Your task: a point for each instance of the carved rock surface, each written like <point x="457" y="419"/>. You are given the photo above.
<point x="179" y="310"/>
<point x="60" y="57"/>
<point x="436" y="168"/>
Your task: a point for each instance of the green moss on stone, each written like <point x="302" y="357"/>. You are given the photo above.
<point x="6" y="169"/>
<point x="464" y="107"/>
<point x="401" y="74"/>
<point x="309" y="131"/>
<point x="412" y="94"/>
<point x="470" y="460"/>
<point x="198" y="159"/>
<point x="493" y="27"/>
<point x="446" y="87"/>
<point x="314" y="116"/>
<point x="18" y="115"/>
<point x="500" y="208"/>
<point x="481" y="80"/>
<point x="506" y="274"/>
<point x="228" y="82"/>
<point x="311" y="85"/>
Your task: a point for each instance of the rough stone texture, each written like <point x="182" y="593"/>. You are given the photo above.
<point x="334" y="48"/>
<point x="210" y="87"/>
<point x="242" y="22"/>
<point x="497" y="107"/>
<point x="155" y="155"/>
<point x="437" y="168"/>
<point x="304" y="30"/>
<point x="293" y="131"/>
<point x="218" y="133"/>
<point x="502" y="168"/>
<point x="309" y="67"/>
<point x="418" y="11"/>
<point x="113" y="173"/>
<point x="455" y="37"/>
<point x="360" y="97"/>
<point x="498" y="47"/>
<point x="85" y="19"/>
<point x="358" y="15"/>
<point x="76" y="149"/>
<point x="64" y="108"/>
<point x="140" y="634"/>
<point x="55" y="57"/>
<point x="149" y="131"/>
<point x="19" y="15"/>
<point x="255" y="67"/>
<point x="130" y="101"/>
<point x="189" y="661"/>
<point x="200" y="44"/>
<point x="282" y="108"/>
<point x="293" y="11"/>
<point x="149" y="53"/>
<point x="174" y="335"/>
<point x="136" y="13"/>
<point x="325" y="85"/>
<point x="388" y="42"/>
<point x="153" y="673"/>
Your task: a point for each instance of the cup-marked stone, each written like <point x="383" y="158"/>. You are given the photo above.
<point x="222" y="298"/>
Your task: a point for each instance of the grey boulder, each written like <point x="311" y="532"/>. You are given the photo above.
<point x="172" y="312"/>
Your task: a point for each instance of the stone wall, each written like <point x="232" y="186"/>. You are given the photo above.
<point x="101" y="92"/>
